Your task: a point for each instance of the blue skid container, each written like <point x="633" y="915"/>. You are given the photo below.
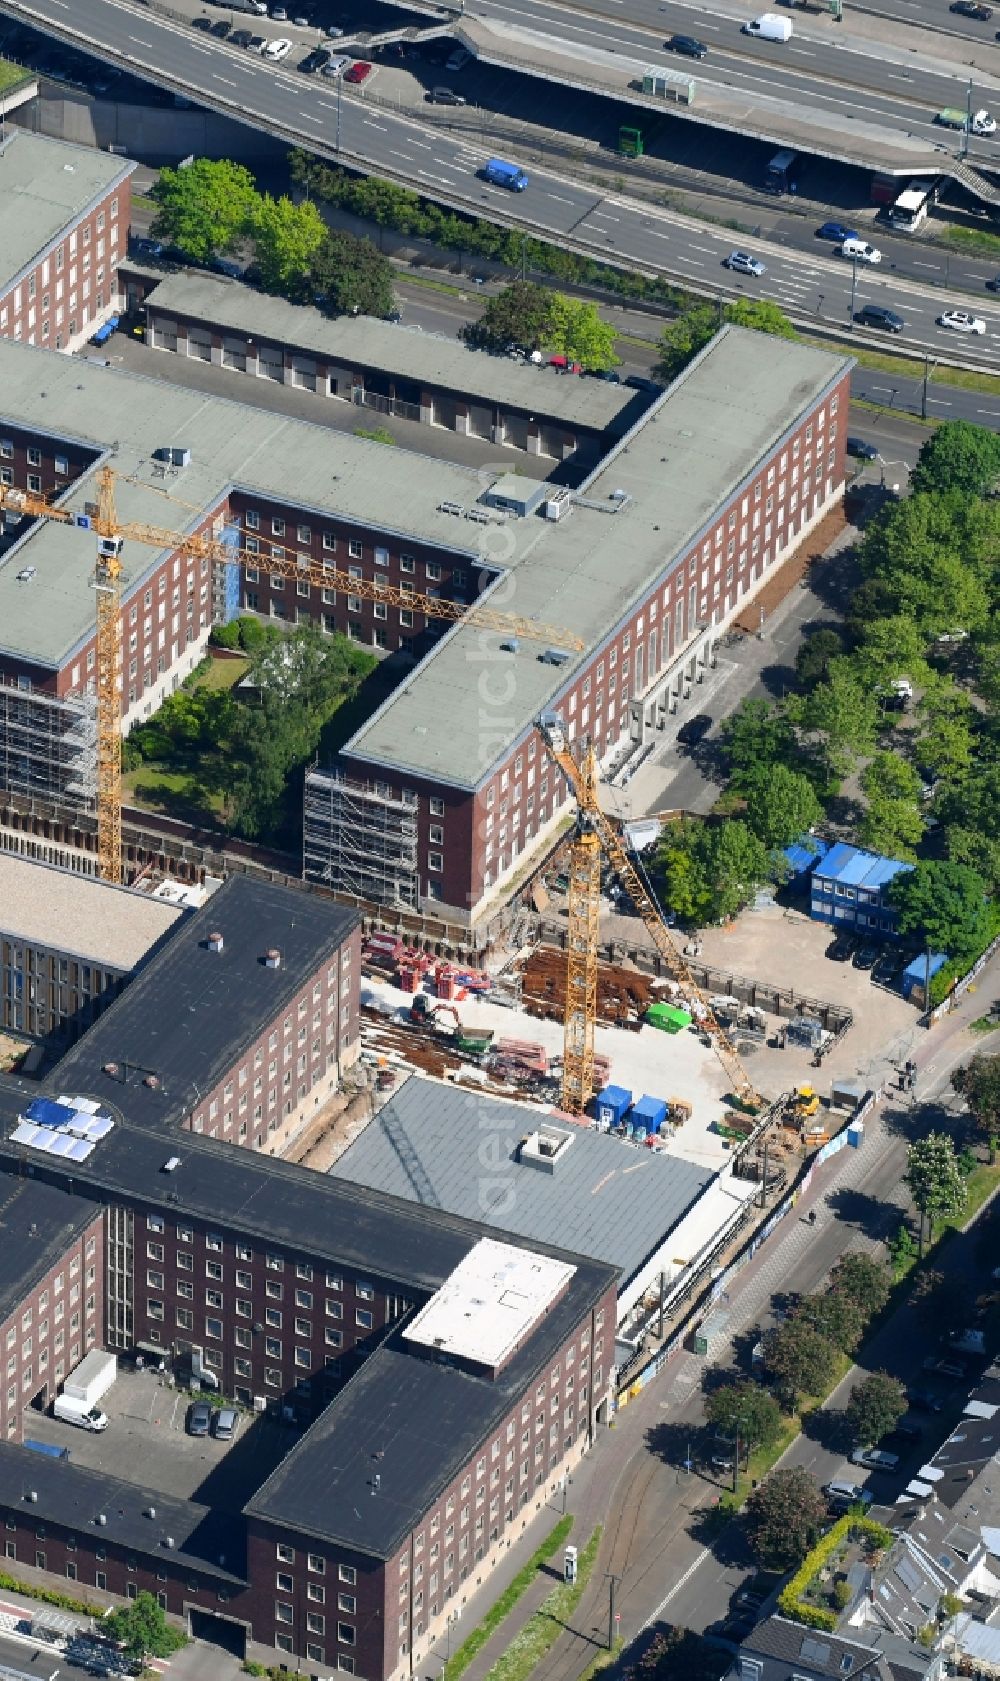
<point x="649" y="1113"/>
<point x="612" y="1105"/>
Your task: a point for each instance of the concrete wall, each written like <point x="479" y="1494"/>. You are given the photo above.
<point x="151" y="134"/>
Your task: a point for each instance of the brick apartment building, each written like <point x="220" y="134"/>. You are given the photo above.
<point x="64" y="220"/>
<point x="436" y="1435"/>
<point x="438" y="797"/>
<point x="239" y="1026"/>
<point x="67" y="946"/>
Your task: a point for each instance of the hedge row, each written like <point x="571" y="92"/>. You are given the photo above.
<point x="790" y="1601"/>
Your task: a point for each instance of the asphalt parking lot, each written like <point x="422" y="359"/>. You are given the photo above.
<point x="146" y="1440"/>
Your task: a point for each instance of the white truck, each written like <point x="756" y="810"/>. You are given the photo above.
<point x="92" y="1378"/>
<point x="769" y="27"/>
<point x="71" y="1410"/>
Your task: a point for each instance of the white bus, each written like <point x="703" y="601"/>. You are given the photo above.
<point x="910" y="209"/>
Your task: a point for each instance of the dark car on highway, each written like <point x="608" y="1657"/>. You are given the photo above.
<point x="241" y="38"/>
<point x="201" y="23"/>
<point x="875" y="315"/>
<point x="971" y="9"/>
<point x="688" y="45"/>
<point x="837" y="232"/>
<point x="694" y="730"/>
<point x="864" y="451"/>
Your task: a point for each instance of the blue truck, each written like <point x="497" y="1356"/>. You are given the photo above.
<point x="505" y="175"/>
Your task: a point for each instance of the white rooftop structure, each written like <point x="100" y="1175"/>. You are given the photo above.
<point x="489" y="1304"/>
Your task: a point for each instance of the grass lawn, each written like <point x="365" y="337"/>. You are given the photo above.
<point x="222" y="674"/>
<point x="502" y="1607"/>
<point x="541" y="1631"/>
<point x="974" y="241"/>
<point x="12" y="75"/>
<point x="174" y="793"/>
<point x="906" y="367"/>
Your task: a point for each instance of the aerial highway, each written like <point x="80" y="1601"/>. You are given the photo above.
<point x="812" y="286"/>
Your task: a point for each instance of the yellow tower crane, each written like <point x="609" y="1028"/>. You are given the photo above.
<point x="595" y="832"/>
<point x="112" y="534"/>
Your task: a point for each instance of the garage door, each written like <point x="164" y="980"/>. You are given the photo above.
<point x="270" y="364"/>
<point x="303" y="373"/>
<point x="234" y="354"/>
<point x="199" y="344"/>
<point x="163" y="334"/>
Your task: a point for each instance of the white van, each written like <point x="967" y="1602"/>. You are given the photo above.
<point x="769" y="27"/>
<point x="859" y="251"/>
<point x="74" y="1411"/>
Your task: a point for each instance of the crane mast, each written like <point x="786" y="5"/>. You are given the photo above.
<point x="112" y="535"/>
<point x="596" y="832"/>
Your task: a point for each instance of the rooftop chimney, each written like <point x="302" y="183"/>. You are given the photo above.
<point x="272" y="958"/>
<point x="215" y="942"/>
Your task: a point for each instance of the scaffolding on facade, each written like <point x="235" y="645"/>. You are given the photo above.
<point x="360" y="837"/>
<point x="48" y="747"/>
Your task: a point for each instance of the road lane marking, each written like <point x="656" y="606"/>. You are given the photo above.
<point x="689" y="1572"/>
<point x="217" y="78"/>
<point x="559" y="199"/>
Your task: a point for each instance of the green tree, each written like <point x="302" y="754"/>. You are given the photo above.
<point x="522" y="314"/>
<point x="958" y="456"/>
<point x="745" y="1410"/>
<point x="945" y="905"/>
<point x="944" y="742"/>
<point x="677" y="1654"/>
<point x="781" y="805"/>
<point x="979" y="1084"/>
<point x="755" y="737"/>
<point x="683" y="337"/>
<point x="841" y="713"/>
<point x="580" y="332"/>
<point x="836" y="1316"/>
<point x="286" y="238"/>
<point x="922" y="562"/>
<point x="143" y="1630"/>
<point x="351" y="276"/>
<point x="875" y="1407"/>
<point x="865" y="1280"/>
<point x="762" y="316"/>
<point x="893" y="822"/>
<point x="737" y="865"/>
<point x="936" y="1181"/>
<point x="812" y="662"/>
<point x="784" y="1518"/>
<point x="684" y="885"/>
<point x="800" y="1357"/>
<point x="204" y="208"/>
<point x="902" y="1250"/>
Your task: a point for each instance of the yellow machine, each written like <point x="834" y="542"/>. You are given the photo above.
<point x="595" y="832"/>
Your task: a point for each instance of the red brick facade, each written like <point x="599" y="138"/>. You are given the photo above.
<point x="75" y="281"/>
<point x="55" y="1325"/>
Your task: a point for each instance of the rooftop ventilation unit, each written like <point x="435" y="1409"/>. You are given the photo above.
<point x="172" y="457"/>
<point x="559" y="504"/>
<point x="455" y="508"/>
<point x="32" y="1496"/>
<point x="153" y="1081"/>
<point x="272" y="958"/>
<point x="150" y="1512"/>
<point x="101" y="1520"/>
<point x="510" y="645"/>
<point x="215" y="942"/>
<point x="26" y="574"/>
<point x="169" y="1542"/>
<point x="554" y="656"/>
<point x="171" y="1164"/>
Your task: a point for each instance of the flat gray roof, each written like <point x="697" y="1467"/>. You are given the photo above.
<point x="394" y="349"/>
<point x="90" y="919"/>
<point x="604" y="1198"/>
<point x="691" y="450"/>
<point x="44" y="185"/>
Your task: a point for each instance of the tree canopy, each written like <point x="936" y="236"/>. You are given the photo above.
<point x="785" y="1517"/>
<point x="534" y="317"/>
<point x="944" y="904"/>
<point x="800" y="1357"/>
<point x="979" y="1084"/>
<point x="286" y="239"/>
<point x="204" y="208"/>
<point x="875" y="1407"/>
<point x="958" y="456"/>
<point x="351" y="276"/>
<point x="143" y="1630"/>
<point x="865" y="1280"/>
<point x="781" y="804"/>
<point x="745" y="1410"/>
<point x="934" y="1176"/>
<point x="691" y="329"/>
<point x="710" y="871"/>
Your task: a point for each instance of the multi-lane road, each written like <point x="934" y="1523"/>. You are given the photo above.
<point x="814" y="286"/>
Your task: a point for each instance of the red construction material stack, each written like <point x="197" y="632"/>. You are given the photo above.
<point x="408" y="977"/>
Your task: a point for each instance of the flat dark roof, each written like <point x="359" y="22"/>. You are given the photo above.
<point x="73" y="1496"/>
<point x="37" y="1223"/>
<point x="415" y="1423"/>
<point x="188" y="1015"/>
<point x="300" y="1211"/>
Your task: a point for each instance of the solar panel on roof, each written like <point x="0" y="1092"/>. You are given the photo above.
<point x="79" y="1150"/>
<point x="25" y="1133"/>
<point x="85" y="1105"/>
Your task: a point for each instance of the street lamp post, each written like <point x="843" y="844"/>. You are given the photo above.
<point x="968" y="119"/>
<point x="854" y="288"/>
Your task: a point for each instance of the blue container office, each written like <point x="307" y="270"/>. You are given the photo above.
<point x="612" y="1105"/>
<point x="649" y="1114"/>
